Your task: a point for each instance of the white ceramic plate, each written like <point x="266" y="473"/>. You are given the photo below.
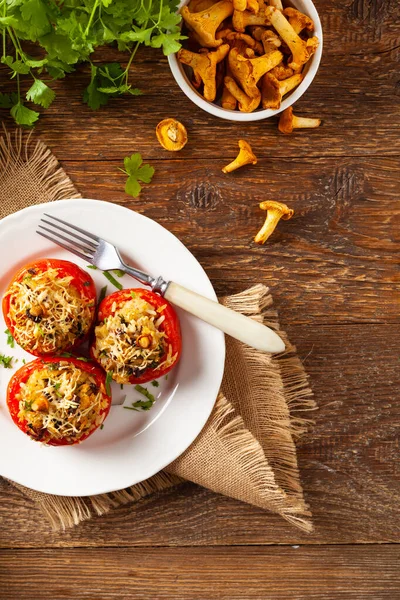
<point x="132" y="446"/>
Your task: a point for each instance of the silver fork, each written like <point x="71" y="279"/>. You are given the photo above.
<point x="106" y="257"/>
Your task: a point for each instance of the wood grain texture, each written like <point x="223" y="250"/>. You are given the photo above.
<point x="355" y="93"/>
<point x="334" y="273"/>
<point x="335" y="261"/>
<point x="349" y="465"/>
<point x="301" y="573"/>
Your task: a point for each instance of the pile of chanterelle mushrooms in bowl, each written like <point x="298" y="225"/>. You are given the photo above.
<point x="246" y="60"/>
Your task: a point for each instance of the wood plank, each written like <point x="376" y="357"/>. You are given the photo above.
<point x="335" y="261"/>
<point x="349" y="466"/>
<point x="303" y="573"/>
<point x="355" y="92"/>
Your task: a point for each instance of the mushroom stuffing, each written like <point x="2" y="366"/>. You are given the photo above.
<point x="246" y="54"/>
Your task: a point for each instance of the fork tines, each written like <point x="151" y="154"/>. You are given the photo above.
<point x="85" y="250"/>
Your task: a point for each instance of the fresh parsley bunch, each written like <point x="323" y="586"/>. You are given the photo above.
<point x="65" y="33"/>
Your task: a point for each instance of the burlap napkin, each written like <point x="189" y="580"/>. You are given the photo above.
<point x="247" y="448"/>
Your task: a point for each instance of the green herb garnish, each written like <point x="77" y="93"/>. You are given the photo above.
<point x="103" y="293"/>
<point x="6" y="361"/>
<point x="65" y="34"/>
<point x="112" y="280"/>
<point x="133" y="294"/>
<point x="119" y="273"/>
<point x="10" y="339"/>
<point x="145" y="392"/>
<point x="24" y="361"/>
<point x="86" y="283"/>
<point x="109" y="378"/>
<point x="102" y="426"/>
<point x="155" y="383"/>
<point x="136" y="171"/>
<point x="121" y="386"/>
<point x="69" y="355"/>
<point x="140" y="405"/>
<point x="91" y="267"/>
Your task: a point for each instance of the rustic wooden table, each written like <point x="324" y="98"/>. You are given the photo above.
<point x="333" y="270"/>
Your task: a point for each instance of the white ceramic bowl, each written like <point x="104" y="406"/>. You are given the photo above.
<point x="310" y="70"/>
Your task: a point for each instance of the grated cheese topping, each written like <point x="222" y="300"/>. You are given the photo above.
<point x="61" y="402"/>
<point x="131" y="340"/>
<point x="47" y="312"/>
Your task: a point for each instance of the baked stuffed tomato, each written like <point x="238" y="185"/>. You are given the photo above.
<point x="137" y="337"/>
<point x="58" y="401"/>
<point x="50" y="306"/>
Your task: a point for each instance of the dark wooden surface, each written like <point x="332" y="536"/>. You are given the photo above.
<point x="334" y="273"/>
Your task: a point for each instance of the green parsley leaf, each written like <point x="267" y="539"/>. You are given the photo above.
<point x="102" y="426"/>
<point x="10" y="339"/>
<point x="140" y="405"/>
<point x="112" y="280"/>
<point x="18" y="66"/>
<point x="119" y="273"/>
<point x="145" y="392"/>
<point x="155" y="383"/>
<point x="6" y="361"/>
<point x="93" y="98"/>
<point x="8" y="100"/>
<point x="23" y="115"/>
<point x="103" y="293"/>
<point x="86" y="283"/>
<point x="109" y="378"/>
<point x="40" y="93"/>
<point x="91" y="267"/>
<point x="136" y="171"/>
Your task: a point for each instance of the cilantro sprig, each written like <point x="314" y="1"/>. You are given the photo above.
<point x="67" y="33"/>
<point x="136" y="171"/>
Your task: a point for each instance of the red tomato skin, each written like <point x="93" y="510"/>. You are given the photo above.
<point x="23" y="374"/>
<point x="170" y="325"/>
<point x="80" y="281"/>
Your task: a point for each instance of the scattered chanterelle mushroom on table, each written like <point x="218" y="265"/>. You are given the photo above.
<point x="275" y="212"/>
<point x="288" y="121"/>
<point x="171" y="134"/>
<point x="246" y="156"/>
<point x="244" y="54"/>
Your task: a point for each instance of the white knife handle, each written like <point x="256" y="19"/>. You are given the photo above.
<point x="233" y="323"/>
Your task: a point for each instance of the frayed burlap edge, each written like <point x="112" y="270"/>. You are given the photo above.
<point x="33" y="165"/>
<point x="30" y="174"/>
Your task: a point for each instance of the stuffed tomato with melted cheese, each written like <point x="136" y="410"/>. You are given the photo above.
<point x="50" y="306"/>
<point x="58" y="401"/>
<point x="137" y="337"/>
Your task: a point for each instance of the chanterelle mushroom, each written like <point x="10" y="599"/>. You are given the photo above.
<point x="248" y="71"/>
<point x="245" y="157"/>
<point x="206" y="22"/>
<point x="275" y="212"/>
<point x="273" y="89"/>
<point x="270" y="41"/>
<point x="276" y="3"/>
<point x="301" y="50"/>
<point x="241" y="41"/>
<point x="205" y="67"/>
<point x="246" y="104"/>
<point x="199" y="5"/>
<point x="243" y="19"/>
<point x="171" y="134"/>
<point x="288" y="121"/>
<point x="298" y="20"/>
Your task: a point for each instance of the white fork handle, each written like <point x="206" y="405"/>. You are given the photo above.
<point x="233" y="323"/>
